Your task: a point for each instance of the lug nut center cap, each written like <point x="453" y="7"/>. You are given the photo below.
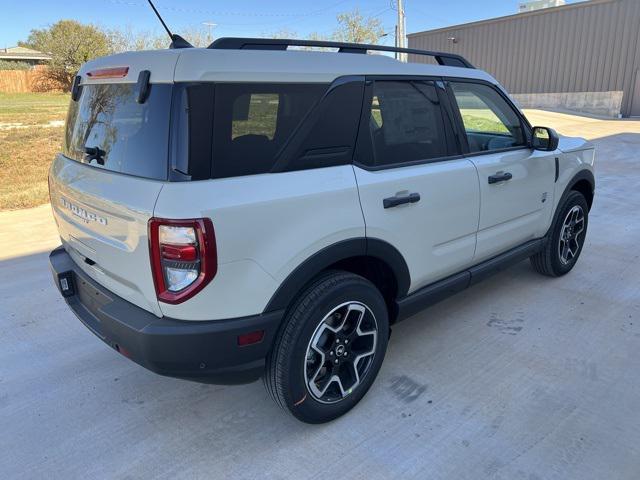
<point x="340" y="350"/>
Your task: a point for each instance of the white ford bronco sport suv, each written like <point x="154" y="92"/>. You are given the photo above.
<point x="251" y="210"/>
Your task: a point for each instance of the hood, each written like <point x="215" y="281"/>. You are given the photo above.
<point x="573" y="144"/>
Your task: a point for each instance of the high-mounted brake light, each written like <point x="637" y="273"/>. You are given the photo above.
<point x="183" y="257"/>
<point x="114" y="72"/>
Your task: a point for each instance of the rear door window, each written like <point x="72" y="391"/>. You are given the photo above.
<point x="252" y="122"/>
<point x="107" y="128"/>
<point x="405" y="123"/>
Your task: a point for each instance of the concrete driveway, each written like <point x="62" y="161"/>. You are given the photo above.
<point x="521" y="377"/>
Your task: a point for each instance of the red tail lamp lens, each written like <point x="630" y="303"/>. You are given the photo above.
<point x="188" y="253"/>
<point x="183" y="257"/>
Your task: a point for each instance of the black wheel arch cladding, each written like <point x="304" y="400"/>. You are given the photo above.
<point x="324" y="259"/>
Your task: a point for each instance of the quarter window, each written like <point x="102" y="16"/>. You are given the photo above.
<point x="252" y="122"/>
<point x="489" y="121"/>
<point x="406" y="123"/>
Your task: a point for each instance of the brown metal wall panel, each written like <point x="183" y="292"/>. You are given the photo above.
<point x="591" y="46"/>
<point x="635" y="64"/>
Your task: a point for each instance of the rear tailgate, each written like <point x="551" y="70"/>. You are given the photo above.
<point x="104" y="186"/>
<point x="102" y="218"/>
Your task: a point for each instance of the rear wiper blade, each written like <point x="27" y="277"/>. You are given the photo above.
<point x="95" y="153"/>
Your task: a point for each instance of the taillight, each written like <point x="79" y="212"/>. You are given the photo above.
<point x="183" y="257"/>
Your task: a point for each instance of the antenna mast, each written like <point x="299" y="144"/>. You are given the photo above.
<point x="176" y="40"/>
<point x="161" y="20"/>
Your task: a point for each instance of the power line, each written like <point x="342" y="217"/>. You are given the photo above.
<point x="222" y="13"/>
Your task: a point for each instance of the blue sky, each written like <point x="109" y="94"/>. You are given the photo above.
<point x="240" y="17"/>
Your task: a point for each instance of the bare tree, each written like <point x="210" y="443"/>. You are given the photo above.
<point x="354" y="27"/>
<point x="127" y="39"/>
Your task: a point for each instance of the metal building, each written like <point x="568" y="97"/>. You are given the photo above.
<point x="583" y="56"/>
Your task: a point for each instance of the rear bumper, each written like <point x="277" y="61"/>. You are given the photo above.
<point x="204" y="351"/>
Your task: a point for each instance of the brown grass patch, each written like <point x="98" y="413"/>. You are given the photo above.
<point x="25" y="156"/>
<point x="27" y="152"/>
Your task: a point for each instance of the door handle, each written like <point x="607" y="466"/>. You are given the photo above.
<point x="391" y="202"/>
<point x="500" y="177"/>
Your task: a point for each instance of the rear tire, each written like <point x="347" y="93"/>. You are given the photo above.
<point x="329" y="349"/>
<point x="566" y="240"/>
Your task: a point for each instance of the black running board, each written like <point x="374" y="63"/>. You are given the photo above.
<point x="435" y="292"/>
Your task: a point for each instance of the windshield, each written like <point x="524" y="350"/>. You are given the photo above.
<point x="107" y="128"/>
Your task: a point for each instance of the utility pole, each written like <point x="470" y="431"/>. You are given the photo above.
<point x="401" y="33"/>
<point x="210" y="25"/>
<point x="395" y="54"/>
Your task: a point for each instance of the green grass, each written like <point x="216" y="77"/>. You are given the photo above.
<point x="482" y="120"/>
<point x="27" y="152"/>
<point x="33" y="108"/>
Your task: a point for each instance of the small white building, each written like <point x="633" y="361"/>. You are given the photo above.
<point x="539" y="4"/>
<point x="24" y="55"/>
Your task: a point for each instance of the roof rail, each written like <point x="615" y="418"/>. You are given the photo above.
<point x="232" y="43"/>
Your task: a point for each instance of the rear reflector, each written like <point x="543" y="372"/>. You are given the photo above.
<point x="250" y="338"/>
<point x="115" y="72"/>
<point x="122" y="350"/>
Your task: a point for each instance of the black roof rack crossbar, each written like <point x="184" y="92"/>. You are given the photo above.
<point x="232" y="43"/>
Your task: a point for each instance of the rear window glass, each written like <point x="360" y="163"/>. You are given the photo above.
<point x="252" y="122"/>
<point x="108" y="129"/>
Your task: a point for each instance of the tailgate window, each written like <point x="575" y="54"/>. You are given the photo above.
<point x="107" y="128"/>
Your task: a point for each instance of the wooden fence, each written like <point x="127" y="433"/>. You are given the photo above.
<point x="20" y="81"/>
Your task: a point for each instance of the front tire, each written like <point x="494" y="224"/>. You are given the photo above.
<point x="330" y="348"/>
<point x="566" y="240"/>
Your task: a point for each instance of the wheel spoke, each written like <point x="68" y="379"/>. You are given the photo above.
<point x="320" y="391"/>
<point x="574" y="215"/>
<point x="575" y="248"/>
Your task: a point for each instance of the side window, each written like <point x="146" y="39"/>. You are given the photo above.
<point x="252" y="122"/>
<point x="489" y="121"/>
<point x="406" y="122"/>
<point x="255" y="114"/>
<point x="376" y="114"/>
<point x="329" y="133"/>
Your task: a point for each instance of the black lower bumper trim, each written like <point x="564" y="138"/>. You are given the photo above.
<point x="204" y="351"/>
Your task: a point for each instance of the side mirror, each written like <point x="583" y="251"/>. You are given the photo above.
<point x="545" y="139"/>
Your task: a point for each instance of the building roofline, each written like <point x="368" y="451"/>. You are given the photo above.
<point x="22" y="56"/>
<point x="583" y="4"/>
<point x="22" y="53"/>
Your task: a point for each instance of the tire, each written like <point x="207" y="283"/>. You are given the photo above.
<point x="566" y="231"/>
<point x="337" y="326"/>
